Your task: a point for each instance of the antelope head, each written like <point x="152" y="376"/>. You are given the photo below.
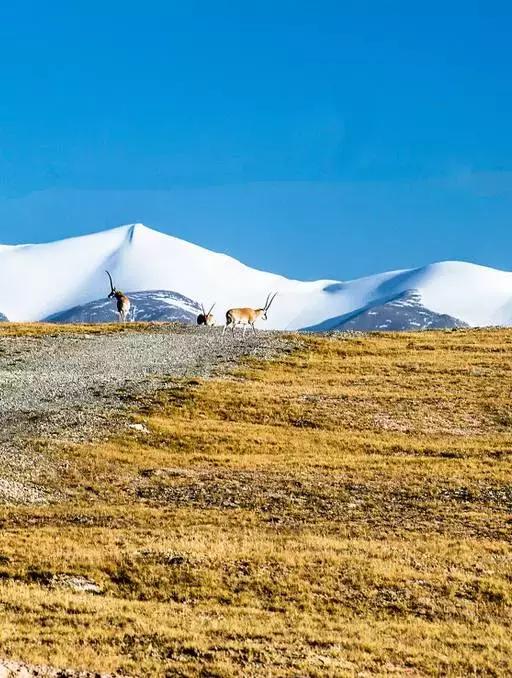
<point x="113" y="291"/>
<point x="268" y="303"/>
<point x="205" y="318"/>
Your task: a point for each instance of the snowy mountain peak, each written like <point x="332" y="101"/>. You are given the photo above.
<point x="39" y="281"/>
<point x="138" y="230"/>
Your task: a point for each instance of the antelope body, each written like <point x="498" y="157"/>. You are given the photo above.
<point x="122" y="301"/>
<point x="206" y="318"/>
<point x="247" y="316"/>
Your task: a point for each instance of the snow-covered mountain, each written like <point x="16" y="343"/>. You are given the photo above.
<point x="41" y="281"/>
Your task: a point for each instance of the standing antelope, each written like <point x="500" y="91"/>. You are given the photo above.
<point x="247" y="316"/>
<point x="123" y="303"/>
<point x="206" y="318"/>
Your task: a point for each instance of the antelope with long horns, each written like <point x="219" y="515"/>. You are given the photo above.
<point x="247" y="316"/>
<point x="206" y="318"/>
<point x="122" y="301"/>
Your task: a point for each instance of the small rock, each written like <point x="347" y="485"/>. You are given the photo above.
<point x="139" y="427"/>
<point x="77" y="583"/>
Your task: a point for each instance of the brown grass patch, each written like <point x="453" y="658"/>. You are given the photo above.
<point x="40" y="329"/>
<point x="343" y="510"/>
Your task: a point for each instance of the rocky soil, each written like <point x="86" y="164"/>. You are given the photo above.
<point x="12" y="669"/>
<point x="75" y="386"/>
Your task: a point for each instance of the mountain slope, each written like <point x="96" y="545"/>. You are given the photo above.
<point x="404" y="313"/>
<point x="154" y="305"/>
<point x="41" y="281"/>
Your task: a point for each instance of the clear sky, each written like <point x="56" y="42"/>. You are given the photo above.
<point x="312" y="138"/>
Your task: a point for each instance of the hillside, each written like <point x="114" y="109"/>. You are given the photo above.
<point x="153" y="305"/>
<point x="58" y="280"/>
<point x="340" y="507"/>
<point x="405" y="312"/>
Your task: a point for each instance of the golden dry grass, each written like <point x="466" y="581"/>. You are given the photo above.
<point x="37" y="329"/>
<point x="343" y="510"/>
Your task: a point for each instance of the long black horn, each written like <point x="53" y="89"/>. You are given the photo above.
<point x="271" y="300"/>
<point x="110" y="278"/>
<point x="213" y="306"/>
<point x="202" y="310"/>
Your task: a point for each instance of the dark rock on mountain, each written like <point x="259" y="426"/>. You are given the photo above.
<point x="155" y="305"/>
<point x="405" y="312"/>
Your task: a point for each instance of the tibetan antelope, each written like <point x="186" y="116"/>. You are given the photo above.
<point x="206" y="318"/>
<point x="247" y="316"/>
<point x="123" y="303"/>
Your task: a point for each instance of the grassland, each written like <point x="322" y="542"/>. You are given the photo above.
<point x="8" y="329"/>
<point x="342" y="510"/>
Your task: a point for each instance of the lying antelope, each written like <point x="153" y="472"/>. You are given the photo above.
<point x="206" y="318"/>
<point x="123" y="303"/>
<point x="247" y="316"/>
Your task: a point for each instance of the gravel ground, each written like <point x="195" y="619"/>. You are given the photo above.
<point x="12" y="669"/>
<point x="72" y="386"/>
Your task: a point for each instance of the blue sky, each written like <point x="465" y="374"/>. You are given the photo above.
<point x="316" y="139"/>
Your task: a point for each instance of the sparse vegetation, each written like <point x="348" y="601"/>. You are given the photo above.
<point x="54" y="329"/>
<point x="344" y="509"/>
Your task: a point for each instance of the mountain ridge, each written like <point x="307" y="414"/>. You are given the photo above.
<point x="38" y="281"/>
